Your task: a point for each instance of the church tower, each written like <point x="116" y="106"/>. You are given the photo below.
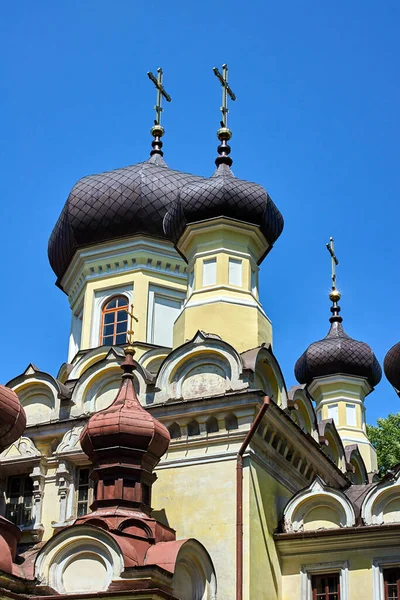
<point x="223" y="227"/>
<point x="339" y="373"/>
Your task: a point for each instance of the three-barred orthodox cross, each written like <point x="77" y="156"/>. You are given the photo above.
<point x="334" y="260"/>
<point x="161" y="93"/>
<point x="226" y="90"/>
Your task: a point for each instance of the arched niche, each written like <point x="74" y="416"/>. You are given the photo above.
<point x="98" y="386"/>
<point x="302" y="410"/>
<point x="266" y="373"/>
<point x="39" y="400"/>
<point x="332" y="445"/>
<point x="318" y="507"/>
<point x="80" y="559"/>
<point x="356" y="470"/>
<point x="382" y="503"/>
<point x="206" y="366"/>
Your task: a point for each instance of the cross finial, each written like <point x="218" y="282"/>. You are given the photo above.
<point x="224" y="134"/>
<point x="130" y="332"/>
<point x="161" y="93"/>
<point x="334" y="295"/>
<point x="226" y="91"/>
<point x="334" y="261"/>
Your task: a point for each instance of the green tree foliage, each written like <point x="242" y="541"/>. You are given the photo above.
<point x="385" y="437"/>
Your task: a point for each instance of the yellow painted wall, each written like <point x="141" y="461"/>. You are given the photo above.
<point x="267" y="499"/>
<point x="139" y="281"/>
<point x="359" y="575"/>
<point x="200" y="501"/>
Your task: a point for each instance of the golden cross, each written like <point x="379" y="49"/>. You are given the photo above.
<point x="226" y="90"/>
<point x="334" y="259"/>
<point x="160" y="93"/>
<point x="130" y="331"/>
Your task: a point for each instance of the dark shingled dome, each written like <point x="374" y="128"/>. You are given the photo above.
<point x="391" y="366"/>
<point x="223" y="195"/>
<point x="115" y="204"/>
<point x="338" y="353"/>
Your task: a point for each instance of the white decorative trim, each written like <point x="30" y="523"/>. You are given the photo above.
<point x="375" y="502"/>
<point x="100" y="298"/>
<point x="307" y="571"/>
<point x="164" y="292"/>
<point x="137" y="254"/>
<point x="317" y="494"/>
<point x="227" y="299"/>
<point x="378" y="564"/>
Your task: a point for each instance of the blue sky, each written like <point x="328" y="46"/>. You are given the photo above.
<point x="316" y="122"/>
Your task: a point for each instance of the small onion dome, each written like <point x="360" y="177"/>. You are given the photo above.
<point x="116" y="204"/>
<point x="391" y="366"/>
<point x="125" y="426"/>
<point x="12" y="418"/>
<point x="338" y="353"/>
<point x="223" y="195"/>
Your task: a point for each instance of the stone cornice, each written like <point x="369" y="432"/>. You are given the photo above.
<point x="124" y="256"/>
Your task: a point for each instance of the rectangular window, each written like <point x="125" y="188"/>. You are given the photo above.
<point x="333" y="413"/>
<point x="391" y="578"/>
<point x="326" y="587"/>
<point x="209" y="272"/>
<point x="165" y="312"/>
<point x="235" y="272"/>
<point x="19" y="499"/>
<point x="351" y="416"/>
<point x="253" y="283"/>
<point x="84" y="492"/>
<point x="191" y="282"/>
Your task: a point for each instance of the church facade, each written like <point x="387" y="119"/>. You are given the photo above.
<point x="167" y="459"/>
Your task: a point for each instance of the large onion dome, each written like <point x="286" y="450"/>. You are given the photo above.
<point x="338" y="353"/>
<point x="223" y="195"/>
<point x="116" y="204"/>
<point x="12" y="417"/>
<point x="391" y="366"/>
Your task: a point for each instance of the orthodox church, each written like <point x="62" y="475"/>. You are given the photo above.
<point x="167" y="459"/>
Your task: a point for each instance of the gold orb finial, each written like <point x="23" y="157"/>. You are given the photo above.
<point x="335" y="295"/>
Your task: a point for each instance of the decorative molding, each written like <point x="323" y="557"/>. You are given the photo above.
<point x="127" y="256"/>
<point x="308" y="570"/>
<point x="316" y="495"/>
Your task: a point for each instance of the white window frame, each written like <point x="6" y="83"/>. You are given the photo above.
<point x="99" y="299"/>
<point x="307" y="571"/>
<point x="378" y="565"/>
<point x="235" y="270"/>
<point x="156" y="291"/>
<point x="75" y="336"/>
<point x="351" y="410"/>
<point x="209" y="261"/>
<point x="331" y="407"/>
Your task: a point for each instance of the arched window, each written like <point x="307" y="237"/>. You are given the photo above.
<point x="114" y="322"/>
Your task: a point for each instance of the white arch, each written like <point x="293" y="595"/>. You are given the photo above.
<point x="213" y="366"/>
<point x="316" y="495"/>
<point x="82" y="548"/>
<point x="374" y="510"/>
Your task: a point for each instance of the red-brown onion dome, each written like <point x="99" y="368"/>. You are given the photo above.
<point x="338" y="353"/>
<point x="128" y="201"/>
<point x="12" y="417"/>
<point x="223" y="195"/>
<point x="391" y="366"/>
<point x="125" y="425"/>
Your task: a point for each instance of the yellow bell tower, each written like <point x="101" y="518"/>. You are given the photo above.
<point x="223" y="227"/>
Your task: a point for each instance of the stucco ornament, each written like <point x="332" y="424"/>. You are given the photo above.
<point x="303" y="511"/>
<point x="382" y="503"/>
